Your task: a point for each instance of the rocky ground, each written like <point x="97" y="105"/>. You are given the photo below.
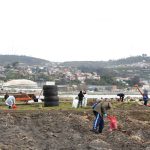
<point x="70" y="129"/>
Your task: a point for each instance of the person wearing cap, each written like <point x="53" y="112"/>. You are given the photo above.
<point x="100" y="110"/>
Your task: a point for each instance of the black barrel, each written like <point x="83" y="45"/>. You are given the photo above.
<point x="50" y="93"/>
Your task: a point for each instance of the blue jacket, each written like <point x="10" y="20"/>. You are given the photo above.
<point x="145" y="97"/>
<point x="93" y="106"/>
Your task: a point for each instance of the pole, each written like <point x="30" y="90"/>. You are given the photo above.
<point x="139" y="89"/>
<point x="40" y="93"/>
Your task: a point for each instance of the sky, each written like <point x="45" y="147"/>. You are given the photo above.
<point x="75" y="30"/>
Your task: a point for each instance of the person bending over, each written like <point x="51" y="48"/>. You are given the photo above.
<point x="10" y="101"/>
<point x="100" y="110"/>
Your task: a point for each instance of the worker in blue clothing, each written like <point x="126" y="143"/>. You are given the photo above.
<point x="100" y="111"/>
<point x="144" y="94"/>
<point x="93" y="106"/>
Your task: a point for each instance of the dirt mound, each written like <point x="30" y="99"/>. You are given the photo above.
<point x="70" y="130"/>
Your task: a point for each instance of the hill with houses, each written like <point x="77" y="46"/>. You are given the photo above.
<point x="127" y="71"/>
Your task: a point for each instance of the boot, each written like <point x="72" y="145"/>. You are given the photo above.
<point x="95" y="131"/>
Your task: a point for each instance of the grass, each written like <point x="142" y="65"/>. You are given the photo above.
<point x="128" y="105"/>
<point x="40" y="106"/>
<point x="67" y="105"/>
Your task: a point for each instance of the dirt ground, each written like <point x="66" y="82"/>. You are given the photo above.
<point x="70" y="130"/>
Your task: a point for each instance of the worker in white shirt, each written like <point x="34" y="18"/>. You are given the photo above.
<point x="9" y="100"/>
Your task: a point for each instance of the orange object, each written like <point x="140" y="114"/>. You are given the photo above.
<point x="14" y="106"/>
<point x="22" y="97"/>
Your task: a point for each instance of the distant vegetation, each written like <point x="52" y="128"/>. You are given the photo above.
<point x="138" y="66"/>
<point x="108" y="64"/>
<point x="9" y="59"/>
<point x="85" y="65"/>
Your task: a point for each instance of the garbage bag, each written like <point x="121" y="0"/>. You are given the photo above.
<point x="112" y="123"/>
<point x="84" y="102"/>
<point x="75" y="102"/>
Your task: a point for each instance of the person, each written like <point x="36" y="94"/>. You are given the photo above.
<point x="100" y="111"/>
<point x="144" y="94"/>
<point x="93" y="106"/>
<point x="6" y="96"/>
<point x="9" y="101"/>
<point x="145" y="97"/>
<point x="80" y="96"/>
<point x="121" y="95"/>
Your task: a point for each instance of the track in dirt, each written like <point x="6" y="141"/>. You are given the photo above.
<point x="70" y="130"/>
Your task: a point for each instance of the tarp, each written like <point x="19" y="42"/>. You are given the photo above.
<point x="75" y="103"/>
<point x="20" y="83"/>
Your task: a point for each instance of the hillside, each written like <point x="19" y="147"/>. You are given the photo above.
<point x="108" y="64"/>
<point x="9" y="59"/>
<point x="127" y="67"/>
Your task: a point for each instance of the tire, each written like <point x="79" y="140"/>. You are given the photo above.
<point x="50" y="87"/>
<point x="51" y="98"/>
<point x="51" y="103"/>
<point x="49" y="92"/>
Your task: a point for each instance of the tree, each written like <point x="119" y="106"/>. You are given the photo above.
<point x="133" y="81"/>
<point x="15" y="64"/>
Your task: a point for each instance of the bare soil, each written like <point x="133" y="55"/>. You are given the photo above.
<point x="70" y="129"/>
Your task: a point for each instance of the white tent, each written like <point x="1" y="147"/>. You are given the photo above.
<point x="20" y="83"/>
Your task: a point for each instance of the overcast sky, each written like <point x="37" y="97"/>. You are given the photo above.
<point x="75" y="30"/>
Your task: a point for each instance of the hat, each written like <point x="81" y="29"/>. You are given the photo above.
<point x="98" y="100"/>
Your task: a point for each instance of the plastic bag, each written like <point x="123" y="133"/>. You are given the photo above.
<point x="112" y="123"/>
<point x="75" y="103"/>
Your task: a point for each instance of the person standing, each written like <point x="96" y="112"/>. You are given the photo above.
<point x="145" y="97"/>
<point x="100" y="111"/>
<point x="9" y="101"/>
<point x="144" y="94"/>
<point x="80" y="96"/>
